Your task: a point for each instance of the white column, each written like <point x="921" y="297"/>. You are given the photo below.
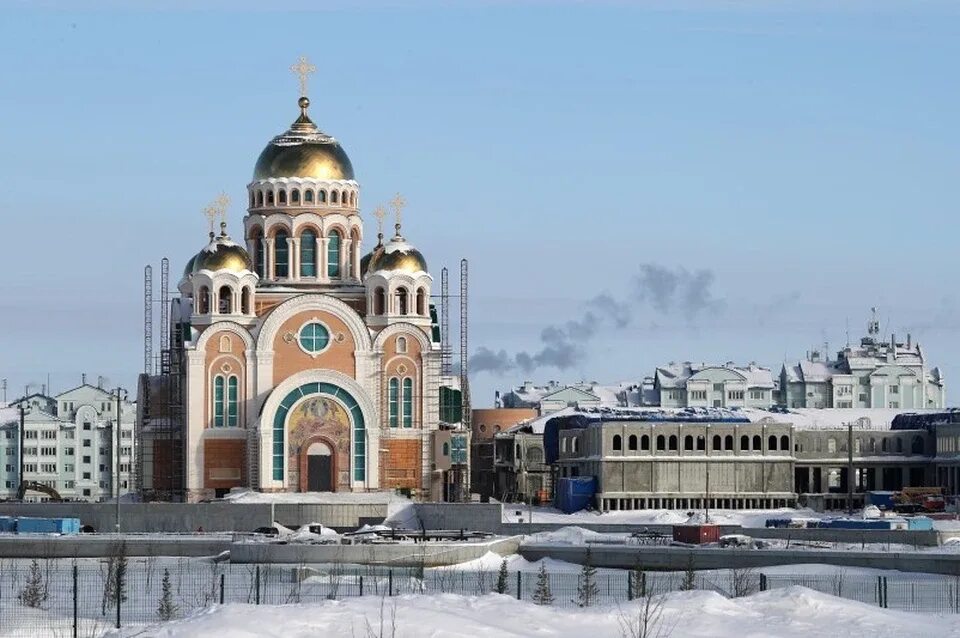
<point x="294" y="258"/>
<point x="322" y="259"/>
<point x="356" y="260"/>
<point x="196" y="406"/>
<point x="268" y="259"/>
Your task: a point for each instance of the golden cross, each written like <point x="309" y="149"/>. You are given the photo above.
<point x="397" y="203"/>
<point x="218" y="209"/>
<point x="380" y="212"/>
<point x="303" y="69"/>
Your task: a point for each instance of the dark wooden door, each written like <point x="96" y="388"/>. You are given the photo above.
<point x="319" y="476"/>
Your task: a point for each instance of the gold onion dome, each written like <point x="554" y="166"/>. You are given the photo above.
<point x="303" y="151"/>
<point x="396" y="255"/>
<point x="222" y="253"/>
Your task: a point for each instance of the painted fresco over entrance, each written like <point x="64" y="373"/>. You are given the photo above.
<point x="319" y="418"/>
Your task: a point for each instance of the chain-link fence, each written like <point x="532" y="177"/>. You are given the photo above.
<point x="87" y="597"/>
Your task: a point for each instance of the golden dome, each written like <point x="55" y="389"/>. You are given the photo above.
<point x="303" y="151"/>
<point x="221" y="253"/>
<point x="396" y="255"/>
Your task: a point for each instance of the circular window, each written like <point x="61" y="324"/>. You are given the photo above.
<point x="314" y="337"/>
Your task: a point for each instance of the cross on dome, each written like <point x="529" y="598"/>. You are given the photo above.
<point x="303" y="69"/>
<point x="379" y="212"/>
<point x="397" y="203"/>
<point x="218" y="209"/>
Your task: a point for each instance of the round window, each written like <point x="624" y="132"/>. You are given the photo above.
<point x="314" y="337"/>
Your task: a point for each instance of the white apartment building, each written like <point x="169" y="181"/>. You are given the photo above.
<point x="69" y="444"/>
<point x="685" y="385"/>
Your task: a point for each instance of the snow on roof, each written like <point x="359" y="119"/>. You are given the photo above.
<point x="8" y="414"/>
<point x="676" y="375"/>
<point x="831" y="418"/>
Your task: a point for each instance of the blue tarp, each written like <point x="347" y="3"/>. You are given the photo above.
<point x="573" y="494"/>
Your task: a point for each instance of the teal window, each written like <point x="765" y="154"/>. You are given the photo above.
<point x="408" y="402"/>
<point x="359" y="443"/>
<point x="281" y="254"/>
<point x="218" y="386"/>
<point x="314" y="337"/>
<point x="308" y="196"/>
<point x="308" y="254"/>
<point x="257" y="242"/>
<point x="393" y="400"/>
<point x="232" y="412"/>
<point x="333" y="255"/>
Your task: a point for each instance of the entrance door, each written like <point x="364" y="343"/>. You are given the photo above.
<point x="318" y="473"/>
<point x="319" y="468"/>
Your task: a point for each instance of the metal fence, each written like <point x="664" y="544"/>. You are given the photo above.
<point x="57" y="597"/>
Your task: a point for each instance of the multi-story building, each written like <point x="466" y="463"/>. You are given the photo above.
<point x="485" y="424"/>
<point x="69" y="444"/>
<point x="586" y="394"/>
<point x="875" y="374"/>
<point x="682" y="385"/>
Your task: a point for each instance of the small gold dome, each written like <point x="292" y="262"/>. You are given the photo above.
<point x="303" y="151"/>
<point x="397" y="254"/>
<point x="221" y="253"/>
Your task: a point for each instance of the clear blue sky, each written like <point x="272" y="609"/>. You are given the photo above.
<point x="802" y="156"/>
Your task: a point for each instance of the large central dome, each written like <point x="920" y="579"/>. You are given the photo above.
<point x="303" y="151"/>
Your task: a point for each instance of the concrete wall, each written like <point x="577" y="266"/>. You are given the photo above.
<point x="39" y="546"/>
<point x="484" y="517"/>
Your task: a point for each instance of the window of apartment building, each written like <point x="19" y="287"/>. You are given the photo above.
<point x="48" y="451"/>
<point x="124" y="467"/>
<point x="894" y="389"/>
<point x="125" y="451"/>
<point x="756" y="394"/>
<point x="86" y="443"/>
<point x="49" y="468"/>
<point x="123" y="485"/>
<point x="863" y="398"/>
<point x="69" y="434"/>
<point x="29" y="451"/>
<point x="8" y="434"/>
<point x="69" y="484"/>
<point x="672" y="395"/>
<point x="86" y="492"/>
<point x="86" y="426"/>
<point x="8" y="484"/>
<point x="893" y="404"/>
<point x="736" y="395"/>
<point x="9" y="468"/>
<point x="844" y="390"/>
<point x="50" y="435"/>
<point x="86" y="459"/>
<point x="698" y="395"/>
<point x="104" y="451"/>
<point x="68" y="451"/>
<point x="103" y="468"/>
<point x="30" y="434"/>
<point x="126" y="434"/>
<point x="86" y="476"/>
<point x="68" y="467"/>
<point x="29" y="467"/>
<point x="844" y="404"/>
<point x="10" y="451"/>
<point x="718" y="387"/>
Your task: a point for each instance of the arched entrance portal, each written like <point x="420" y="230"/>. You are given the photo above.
<point x="318" y="467"/>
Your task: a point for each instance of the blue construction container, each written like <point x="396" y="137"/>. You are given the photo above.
<point x="880" y="499"/>
<point x="25" y="525"/>
<point x="920" y="523"/>
<point x="8" y="524"/>
<point x="574" y="493"/>
<point x="856" y="523"/>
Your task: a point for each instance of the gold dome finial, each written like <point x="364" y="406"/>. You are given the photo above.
<point x="218" y="209"/>
<point x="379" y="212"/>
<point x="303" y="69"/>
<point x="397" y="203"/>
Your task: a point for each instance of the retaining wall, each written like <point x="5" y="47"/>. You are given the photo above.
<point x="98" y="546"/>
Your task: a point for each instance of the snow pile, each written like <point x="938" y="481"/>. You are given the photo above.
<point x="574" y="536"/>
<point x="785" y="613"/>
<point x="313" y="533"/>
<point x="746" y="518"/>
<point x="319" y="498"/>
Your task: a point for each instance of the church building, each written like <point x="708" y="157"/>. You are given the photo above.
<point x="297" y="364"/>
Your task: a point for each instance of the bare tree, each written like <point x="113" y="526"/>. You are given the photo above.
<point x="649" y="621"/>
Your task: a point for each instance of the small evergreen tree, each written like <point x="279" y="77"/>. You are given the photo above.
<point x="34" y="592"/>
<point x="166" y="610"/>
<point x="542" y="595"/>
<point x="502" y="578"/>
<point x="587" y="590"/>
<point x="114" y="578"/>
<point x="689" y="576"/>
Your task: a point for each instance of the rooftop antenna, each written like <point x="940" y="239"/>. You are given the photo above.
<point x="445" y="352"/>
<point x="873" y="326"/>
<point x="847" y="321"/>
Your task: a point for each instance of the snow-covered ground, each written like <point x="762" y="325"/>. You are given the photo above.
<point x="516" y="513"/>
<point x="782" y="613"/>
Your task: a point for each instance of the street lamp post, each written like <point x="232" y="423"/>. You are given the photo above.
<point x="116" y="472"/>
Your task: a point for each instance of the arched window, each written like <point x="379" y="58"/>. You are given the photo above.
<point x="575" y="445"/>
<point x="403" y="306"/>
<point x="873" y="444"/>
<point x="421" y="302"/>
<point x="308" y="253"/>
<point x="245" y="300"/>
<point x="831" y="445"/>
<point x="673" y="442"/>
<point x="226" y="300"/>
<point x="218" y="395"/>
<point x="233" y="417"/>
<point x="256" y="241"/>
<point x="645" y="442"/>
<point x="282" y="195"/>
<point x="269" y="198"/>
<point x="378" y="301"/>
<point x="203" y="301"/>
<point x="745" y="443"/>
<point x="717" y="442"/>
<point x="563" y="445"/>
<point x="401" y="344"/>
<point x="728" y="442"/>
<point x="884" y="447"/>
<point x="353" y="199"/>
<point x="785" y="443"/>
<point x="394" y="401"/>
<point x="295" y="196"/>
<point x="253" y="199"/>
<point x="701" y="443"/>
<point x="259" y="198"/>
<point x="688" y="442"/>
<point x="917" y="446"/>
<point x="757" y="442"/>
<point x="281" y="255"/>
<point x="308" y="196"/>
<point x="632" y="442"/>
<point x="857" y="446"/>
<point x="408" y="402"/>
<point x="617" y="443"/>
<point x="322" y="196"/>
<point x="661" y="443"/>
<point x="333" y="254"/>
<point x="334" y="196"/>
<point x="899" y="446"/>
<point x="772" y="442"/>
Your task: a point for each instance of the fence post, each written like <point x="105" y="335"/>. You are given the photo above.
<point x="75" y="603"/>
<point x="361" y="584"/>
<point x="629" y="585"/>
<point x="763" y="582"/>
<point x="257" y="581"/>
<point x="222" y="578"/>
<point x="886" y="599"/>
<point x="643" y="584"/>
<point x="390" y="582"/>
<point x="880" y="590"/>
<point x="519" y="583"/>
